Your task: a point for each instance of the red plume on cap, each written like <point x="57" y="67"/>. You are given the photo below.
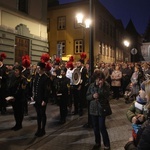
<point x="2" y="56"/>
<point x="70" y="65"/>
<point x="71" y="58"/>
<point x="57" y="60"/>
<point x="83" y="55"/>
<point x="25" y="57"/>
<point x="26" y="61"/>
<point x="48" y="66"/>
<point x="45" y="57"/>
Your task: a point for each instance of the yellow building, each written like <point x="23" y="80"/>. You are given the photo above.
<point x="64" y="30"/>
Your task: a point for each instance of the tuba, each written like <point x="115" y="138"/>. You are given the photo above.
<point x="76" y="76"/>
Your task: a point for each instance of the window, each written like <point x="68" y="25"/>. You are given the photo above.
<point x="61" y="23"/>
<point x="63" y="46"/>
<point x="78" y="46"/>
<point x="23" y="5"/>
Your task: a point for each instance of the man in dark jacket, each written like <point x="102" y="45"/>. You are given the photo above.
<point x="63" y="91"/>
<point x="40" y="96"/>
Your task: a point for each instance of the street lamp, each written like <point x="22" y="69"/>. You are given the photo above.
<point x="87" y="22"/>
<point x="126" y="44"/>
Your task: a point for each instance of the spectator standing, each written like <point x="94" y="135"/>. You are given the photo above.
<point x="98" y="96"/>
<point x="116" y="78"/>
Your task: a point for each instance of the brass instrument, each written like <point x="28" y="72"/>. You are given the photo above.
<point x="76" y="76"/>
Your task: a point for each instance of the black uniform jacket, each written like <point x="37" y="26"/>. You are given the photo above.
<point x="41" y="88"/>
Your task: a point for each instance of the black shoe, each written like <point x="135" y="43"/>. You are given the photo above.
<point x="17" y="128"/>
<point x="96" y="147"/>
<point x="13" y="127"/>
<point x="87" y="125"/>
<point x="75" y="113"/>
<point x="42" y="133"/>
<point x="37" y="132"/>
<point x="62" y="121"/>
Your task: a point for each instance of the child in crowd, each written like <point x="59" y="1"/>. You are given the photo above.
<point x="136" y="113"/>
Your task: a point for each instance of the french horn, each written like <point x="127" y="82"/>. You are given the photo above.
<point x="76" y="77"/>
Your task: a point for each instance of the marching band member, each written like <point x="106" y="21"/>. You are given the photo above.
<point x="40" y="96"/>
<point x="63" y="88"/>
<point x="26" y="74"/>
<point x="70" y="69"/>
<point x="3" y="86"/>
<point x="79" y="90"/>
<point x="55" y="73"/>
<point x="16" y="88"/>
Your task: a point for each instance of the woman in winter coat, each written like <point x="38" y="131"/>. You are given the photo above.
<point x="116" y="78"/>
<point x="98" y="96"/>
<point x="136" y="80"/>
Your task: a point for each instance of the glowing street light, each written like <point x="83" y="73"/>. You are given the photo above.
<point x="126" y="43"/>
<point x="87" y="22"/>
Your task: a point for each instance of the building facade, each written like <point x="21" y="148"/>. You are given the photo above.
<point x="108" y="33"/>
<point x="23" y="29"/>
<point x="145" y="50"/>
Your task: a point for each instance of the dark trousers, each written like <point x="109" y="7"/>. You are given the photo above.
<point x="78" y="101"/>
<point x="116" y="92"/>
<point x="63" y="108"/>
<point x="18" y="109"/>
<point x="41" y="116"/>
<point x="100" y="127"/>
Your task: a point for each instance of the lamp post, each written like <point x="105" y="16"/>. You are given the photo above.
<point x="87" y="24"/>
<point x="91" y="56"/>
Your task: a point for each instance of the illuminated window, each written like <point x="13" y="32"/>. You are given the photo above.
<point x="78" y="46"/>
<point x="63" y="46"/>
<point x="61" y="23"/>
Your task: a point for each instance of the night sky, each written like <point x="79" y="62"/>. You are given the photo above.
<point x="137" y="10"/>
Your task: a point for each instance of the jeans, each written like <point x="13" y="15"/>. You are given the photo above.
<point x="99" y="127"/>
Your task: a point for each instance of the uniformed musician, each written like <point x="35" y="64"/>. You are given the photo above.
<point x="3" y="85"/>
<point x="63" y="91"/>
<point x="79" y="90"/>
<point x="40" y="96"/>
